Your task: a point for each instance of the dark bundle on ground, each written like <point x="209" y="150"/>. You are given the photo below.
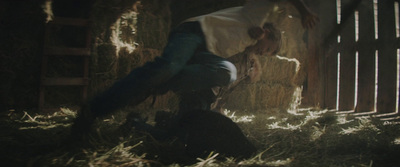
<point x="208" y="131"/>
<point x="202" y="132"/>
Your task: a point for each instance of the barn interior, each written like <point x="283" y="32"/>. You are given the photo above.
<point x="330" y="97"/>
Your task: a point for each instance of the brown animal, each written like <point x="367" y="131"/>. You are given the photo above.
<point x="200" y="131"/>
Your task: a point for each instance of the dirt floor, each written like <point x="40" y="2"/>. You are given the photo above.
<point x="299" y="138"/>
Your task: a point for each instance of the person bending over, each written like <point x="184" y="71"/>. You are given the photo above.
<point x="193" y="60"/>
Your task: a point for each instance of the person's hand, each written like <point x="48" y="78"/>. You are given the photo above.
<point x="309" y="20"/>
<point x="256" y="33"/>
<point x="255" y="70"/>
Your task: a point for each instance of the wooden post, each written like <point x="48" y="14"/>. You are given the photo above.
<point x="398" y="59"/>
<point x="387" y="57"/>
<point x="366" y="51"/>
<point x="313" y="92"/>
<point x="347" y="57"/>
<point x="329" y="45"/>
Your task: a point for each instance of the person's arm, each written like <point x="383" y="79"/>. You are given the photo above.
<point x="308" y="18"/>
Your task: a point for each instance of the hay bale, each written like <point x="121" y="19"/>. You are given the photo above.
<point x="105" y="58"/>
<point x="294" y="36"/>
<point x="124" y="62"/>
<point x="260" y="96"/>
<point x="143" y="55"/>
<point x="272" y="95"/>
<point x="279" y="69"/>
<point x="127" y="61"/>
<point x="153" y="24"/>
<point x="274" y="90"/>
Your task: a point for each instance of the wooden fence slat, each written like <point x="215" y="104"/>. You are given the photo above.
<point x="313" y="87"/>
<point x="366" y="63"/>
<point x="398" y="59"/>
<point x="387" y="57"/>
<point x="347" y="57"/>
<point x="327" y="27"/>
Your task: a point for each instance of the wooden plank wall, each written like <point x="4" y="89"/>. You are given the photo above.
<point x="387" y="57"/>
<point x="328" y="16"/>
<point x="358" y="44"/>
<point x="347" y="50"/>
<point x="366" y="58"/>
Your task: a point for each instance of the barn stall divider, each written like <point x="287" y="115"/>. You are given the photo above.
<point x="357" y="53"/>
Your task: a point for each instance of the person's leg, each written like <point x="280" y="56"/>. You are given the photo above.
<point x="135" y="87"/>
<point x="194" y="82"/>
<point x="204" y="71"/>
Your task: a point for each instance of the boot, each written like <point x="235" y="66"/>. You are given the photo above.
<point x="82" y="124"/>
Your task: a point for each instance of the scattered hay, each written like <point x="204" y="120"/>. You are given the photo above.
<point x="260" y="96"/>
<point x="238" y="119"/>
<point x="307" y="138"/>
<point x="47" y="9"/>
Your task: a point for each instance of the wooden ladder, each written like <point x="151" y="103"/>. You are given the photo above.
<point x="51" y="50"/>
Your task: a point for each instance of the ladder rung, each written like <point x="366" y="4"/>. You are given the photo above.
<point x="59" y="51"/>
<point x="69" y="21"/>
<point x="65" y="81"/>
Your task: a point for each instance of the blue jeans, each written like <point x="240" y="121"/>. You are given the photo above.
<point x="185" y="65"/>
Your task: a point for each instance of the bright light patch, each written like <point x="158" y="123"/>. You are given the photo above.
<point x="127" y="20"/>
<point x="338" y="82"/>
<point x="46" y="127"/>
<point x="47" y="9"/>
<point x="356" y="17"/>
<point x="338" y="10"/>
<point x="260" y="162"/>
<point x="364" y="124"/>
<point x="398" y="81"/>
<point x="288" y="126"/>
<point x="397" y="141"/>
<point x="285" y="162"/>
<point x="296" y="101"/>
<point x="396" y="15"/>
<point x="42" y="121"/>
<point x="238" y="119"/>
<point x="376" y="81"/>
<point x="356" y="81"/>
<point x="376" y="18"/>
<point x="283" y="124"/>
<point x="317" y="133"/>
<point x="342" y="119"/>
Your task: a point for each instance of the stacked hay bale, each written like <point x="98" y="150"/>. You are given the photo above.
<point x="274" y="89"/>
<point x="282" y="75"/>
<point x="106" y="22"/>
<point x="126" y="37"/>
